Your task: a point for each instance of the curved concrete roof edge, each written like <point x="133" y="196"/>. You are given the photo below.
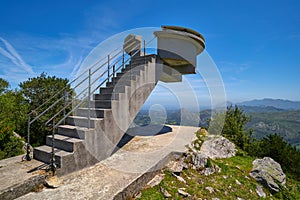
<point x="184" y="29"/>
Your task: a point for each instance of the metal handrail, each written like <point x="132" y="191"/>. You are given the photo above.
<point x="83" y="100"/>
<point x="30" y="121"/>
<point x="110" y="65"/>
<point x="86" y="89"/>
<point x="79" y="76"/>
<point x="109" y="76"/>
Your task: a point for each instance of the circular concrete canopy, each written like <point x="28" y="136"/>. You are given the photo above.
<point x="190" y="33"/>
<point x="178" y="48"/>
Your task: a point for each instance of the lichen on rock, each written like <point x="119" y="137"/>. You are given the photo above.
<point x="269" y="173"/>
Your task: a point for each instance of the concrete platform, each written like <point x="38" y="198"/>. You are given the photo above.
<point x="16" y="178"/>
<point x="125" y="172"/>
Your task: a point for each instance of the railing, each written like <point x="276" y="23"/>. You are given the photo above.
<point x="95" y="74"/>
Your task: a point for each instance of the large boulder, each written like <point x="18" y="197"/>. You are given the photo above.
<point x="215" y="147"/>
<point x="269" y="173"/>
<point x="218" y="147"/>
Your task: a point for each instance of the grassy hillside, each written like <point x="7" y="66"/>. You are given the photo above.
<point x="233" y="181"/>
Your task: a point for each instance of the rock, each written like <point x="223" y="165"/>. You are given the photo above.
<point x="210" y="189"/>
<point x="239" y="198"/>
<point x="183" y="193"/>
<point x="199" y="160"/>
<point x="237" y="182"/>
<point x="52" y="182"/>
<point x="268" y="173"/>
<point x="179" y="178"/>
<point x="139" y="195"/>
<point x="218" y="147"/>
<point x="196" y="159"/>
<point x="215" y="199"/>
<point x="176" y="166"/>
<point x="260" y="191"/>
<point x="165" y="193"/>
<point x="211" y="170"/>
<point x="156" y="180"/>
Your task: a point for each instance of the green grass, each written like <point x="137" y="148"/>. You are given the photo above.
<point x="223" y="183"/>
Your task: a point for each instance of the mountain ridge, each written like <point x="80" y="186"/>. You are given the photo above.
<point x="269" y="102"/>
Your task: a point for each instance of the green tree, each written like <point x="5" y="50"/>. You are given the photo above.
<point x="9" y="144"/>
<point x="273" y="146"/>
<point x="37" y="91"/>
<point x="13" y="110"/>
<point x="3" y="85"/>
<point x="276" y="147"/>
<point x="231" y="124"/>
<point x="11" y="117"/>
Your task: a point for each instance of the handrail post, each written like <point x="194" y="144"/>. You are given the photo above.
<point x="107" y="67"/>
<point x="144" y="51"/>
<point x="65" y="102"/>
<point x="123" y="59"/>
<point x="28" y="157"/>
<point x="130" y="68"/>
<point x="114" y="69"/>
<point x="144" y="47"/>
<point x="52" y="160"/>
<point x="89" y="100"/>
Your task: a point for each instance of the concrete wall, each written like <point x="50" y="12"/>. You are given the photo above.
<point x="108" y="133"/>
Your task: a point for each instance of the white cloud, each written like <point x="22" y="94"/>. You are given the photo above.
<point x="10" y="53"/>
<point x="61" y="57"/>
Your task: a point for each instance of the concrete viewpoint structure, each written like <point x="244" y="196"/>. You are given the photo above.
<point x="92" y="134"/>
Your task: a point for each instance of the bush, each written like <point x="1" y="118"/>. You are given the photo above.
<point x="234" y="126"/>
<point x="276" y="147"/>
<point x="9" y="144"/>
<point x="36" y="91"/>
<point x="273" y="146"/>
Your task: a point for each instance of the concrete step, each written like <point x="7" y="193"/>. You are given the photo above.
<point x="63" y="142"/>
<point x="115" y="96"/>
<point x="94" y="112"/>
<point x="129" y="76"/>
<point x="110" y="90"/>
<point x="120" y="82"/>
<point x="82" y="121"/>
<point x="133" y="70"/>
<point x="138" y="63"/>
<point x="147" y="58"/>
<point x="120" y="74"/>
<point x="73" y="131"/>
<point x="43" y="154"/>
<point x="101" y="104"/>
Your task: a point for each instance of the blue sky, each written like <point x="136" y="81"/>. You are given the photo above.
<point x="255" y="44"/>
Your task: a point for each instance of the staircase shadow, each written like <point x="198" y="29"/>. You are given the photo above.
<point x="149" y="130"/>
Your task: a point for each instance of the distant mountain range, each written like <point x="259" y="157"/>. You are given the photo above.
<point x="276" y="103"/>
<point x="268" y="116"/>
